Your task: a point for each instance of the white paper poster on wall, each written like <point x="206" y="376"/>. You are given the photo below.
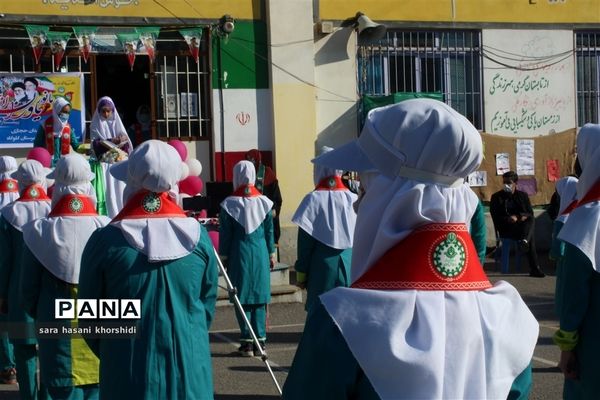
<point x="529" y="81"/>
<point x="525" y="157"/>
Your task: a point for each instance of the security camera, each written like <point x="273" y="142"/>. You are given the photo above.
<point x="227" y="24"/>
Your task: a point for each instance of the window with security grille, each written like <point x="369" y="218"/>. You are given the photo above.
<point x="174" y="87"/>
<point x="587" y="54"/>
<point x="442" y="63"/>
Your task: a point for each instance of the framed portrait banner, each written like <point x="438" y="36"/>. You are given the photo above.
<point x="26" y="102"/>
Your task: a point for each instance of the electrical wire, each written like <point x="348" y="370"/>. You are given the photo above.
<point x="347" y="99"/>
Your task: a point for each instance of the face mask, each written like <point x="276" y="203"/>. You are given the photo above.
<point x="507" y="188"/>
<point x="63" y="117"/>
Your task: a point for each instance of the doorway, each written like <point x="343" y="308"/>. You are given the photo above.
<point x="128" y="88"/>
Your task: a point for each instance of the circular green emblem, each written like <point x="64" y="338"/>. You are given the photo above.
<point x="331" y="182"/>
<point x="33" y="192"/>
<point x="151" y="203"/>
<point x="11" y="185"/>
<point x="449" y="256"/>
<point x="247" y="191"/>
<point x="76" y="205"/>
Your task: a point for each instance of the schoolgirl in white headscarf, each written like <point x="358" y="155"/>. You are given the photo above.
<point x="579" y="280"/>
<point x="106" y="127"/>
<point x="326" y="220"/>
<point x="33" y="203"/>
<point x="52" y="264"/>
<point x="246" y="241"/>
<point x="55" y="134"/>
<point x="57" y="241"/>
<point x="9" y="187"/>
<point x="420" y="320"/>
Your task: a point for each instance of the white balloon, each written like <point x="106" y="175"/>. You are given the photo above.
<point x="185" y="171"/>
<point x="195" y="166"/>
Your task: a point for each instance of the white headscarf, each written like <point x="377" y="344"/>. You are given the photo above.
<point x="249" y="212"/>
<point x="19" y="213"/>
<point x="155" y="166"/>
<point x="423" y="344"/>
<point x="107" y="129"/>
<point x="328" y="215"/>
<point x="58" y="242"/>
<point x="8" y="165"/>
<point x="567" y="190"/>
<point x="582" y="229"/>
<point x="57" y="124"/>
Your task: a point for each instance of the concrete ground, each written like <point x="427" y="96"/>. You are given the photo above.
<point x="237" y="378"/>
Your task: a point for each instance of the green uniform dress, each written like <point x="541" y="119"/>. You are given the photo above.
<point x="324" y="367"/>
<point x="23" y="335"/>
<point x="324" y="267"/>
<point x="557" y="252"/>
<point x="170" y="357"/>
<point x="40" y="141"/>
<point x="478" y="232"/>
<point x="64" y="362"/>
<point x="580" y="312"/>
<point x="248" y="268"/>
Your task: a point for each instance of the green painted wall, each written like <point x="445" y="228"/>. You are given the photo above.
<point x="244" y="57"/>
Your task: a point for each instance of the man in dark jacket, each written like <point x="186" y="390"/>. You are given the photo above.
<point x="513" y="219"/>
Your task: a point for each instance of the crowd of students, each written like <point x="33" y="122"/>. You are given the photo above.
<point x="398" y="303"/>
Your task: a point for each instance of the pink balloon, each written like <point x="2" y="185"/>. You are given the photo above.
<point x="214" y="238"/>
<point x="41" y="155"/>
<point x="191" y="185"/>
<point x="180" y="147"/>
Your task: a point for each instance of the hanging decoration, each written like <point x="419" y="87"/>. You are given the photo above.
<point x="193" y="38"/>
<point x="85" y="37"/>
<point x="130" y="42"/>
<point x="37" y="37"/>
<point x="148" y="36"/>
<point x="58" y="43"/>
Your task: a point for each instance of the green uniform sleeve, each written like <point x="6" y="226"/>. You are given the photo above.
<point x="225" y="232"/>
<point x="521" y="385"/>
<point x="478" y="232"/>
<point x="269" y="233"/>
<point x="40" y="137"/>
<point x="208" y="294"/>
<point x="576" y="288"/>
<point x="6" y="257"/>
<point x="90" y="278"/>
<point x="306" y="246"/>
<point x="30" y="282"/>
<point x="74" y="141"/>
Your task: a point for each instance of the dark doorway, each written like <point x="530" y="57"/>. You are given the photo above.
<point x="128" y="89"/>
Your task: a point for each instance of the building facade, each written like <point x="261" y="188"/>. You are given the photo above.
<point x="292" y="77"/>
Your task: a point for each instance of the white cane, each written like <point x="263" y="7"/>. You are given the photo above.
<point x="232" y="291"/>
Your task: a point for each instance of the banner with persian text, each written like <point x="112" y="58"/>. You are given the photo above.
<point x="26" y="101"/>
<point x="529" y="81"/>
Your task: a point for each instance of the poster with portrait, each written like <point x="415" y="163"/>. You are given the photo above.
<point x="26" y="101"/>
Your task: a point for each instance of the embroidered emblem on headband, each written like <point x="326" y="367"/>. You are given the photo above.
<point x="34" y="193"/>
<point x="331" y="182"/>
<point x="65" y="136"/>
<point x="11" y="185"/>
<point x="449" y="256"/>
<point x="76" y="205"/>
<point x="151" y="203"/>
<point x="247" y="191"/>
